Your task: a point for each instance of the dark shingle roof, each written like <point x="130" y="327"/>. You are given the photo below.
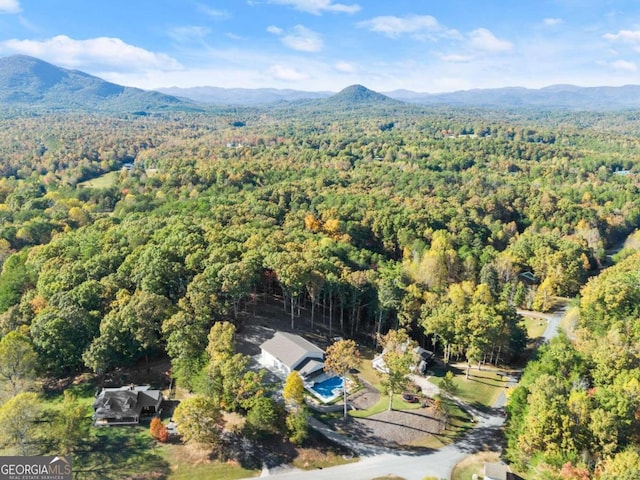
<point x="125" y="401"/>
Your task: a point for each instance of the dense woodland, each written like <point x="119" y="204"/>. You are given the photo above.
<point x="358" y="221"/>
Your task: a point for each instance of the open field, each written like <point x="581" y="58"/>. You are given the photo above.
<point x="186" y="463"/>
<point x="481" y="389"/>
<point x="107" y="180"/>
<point x="535" y="327"/>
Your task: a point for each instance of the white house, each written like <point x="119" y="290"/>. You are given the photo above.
<point x="423" y="358"/>
<point x="286" y="352"/>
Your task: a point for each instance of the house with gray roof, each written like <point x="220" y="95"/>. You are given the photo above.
<point x="286" y="352"/>
<point x="125" y="405"/>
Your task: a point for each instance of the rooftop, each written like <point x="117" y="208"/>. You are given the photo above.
<point x="291" y="349"/>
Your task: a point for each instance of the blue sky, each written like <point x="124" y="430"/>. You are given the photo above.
<point x="421" y="45"/>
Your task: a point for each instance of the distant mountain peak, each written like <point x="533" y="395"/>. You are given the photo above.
<point x="28" y="82"/>
<point x="359" y="94"/>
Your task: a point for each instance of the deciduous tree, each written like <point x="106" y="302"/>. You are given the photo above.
<point x="18" y="362"/>
<point x="293" y="391"/>
<point x="18" y="417"/>
<point x="199" y="420"/>
<point x="340" y="358"/>
<point x="399" y="356"/>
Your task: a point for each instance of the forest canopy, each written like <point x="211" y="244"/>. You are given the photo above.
<point x="124" y="238"/>
<point x="437" y="215"/>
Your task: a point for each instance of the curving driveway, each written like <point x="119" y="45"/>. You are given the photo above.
<point x="377" y="461"/>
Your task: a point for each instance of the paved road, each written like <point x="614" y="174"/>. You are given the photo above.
<point x="379" y="461"/>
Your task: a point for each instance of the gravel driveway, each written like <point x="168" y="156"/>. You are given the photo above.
<point x="394" y="428"/>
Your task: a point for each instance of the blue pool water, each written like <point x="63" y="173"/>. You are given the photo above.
<point x="325" y="388"/>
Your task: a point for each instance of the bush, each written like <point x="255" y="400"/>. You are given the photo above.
<point x="158" y="430"/>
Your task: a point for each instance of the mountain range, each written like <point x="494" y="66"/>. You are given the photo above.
<point x="30" y="83"/>
<point x="554" y="96"/>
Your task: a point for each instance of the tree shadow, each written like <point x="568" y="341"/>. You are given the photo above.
<point x="486" y="381"/>
<point x="481" y="438"/>
<point x="119" y="452"/>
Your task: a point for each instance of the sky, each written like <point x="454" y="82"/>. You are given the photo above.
<point x="326" y="45"/>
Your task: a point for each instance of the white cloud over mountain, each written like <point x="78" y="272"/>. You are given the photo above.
<point x="108" y="52"/>
<point x="283" y="72"/>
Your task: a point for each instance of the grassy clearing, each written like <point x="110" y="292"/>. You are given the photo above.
<point x="187" y="463"/>
<point x="366" y="370"/>
<point x="460" y="422"/>
<point x="120" y="452"/>
<point x="535" y="326"/>
<point x="383" y="404"/>
<point x="106" y="180"/>
<point x="481" y="389"/>
<point x="130" y="451"/>
<point x="370" y="375"/>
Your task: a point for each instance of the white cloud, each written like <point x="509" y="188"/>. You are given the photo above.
<point x="393" y="26"/>
<point x="626" y="36"/>
<point x="234" y="36"/>
<point x="483" y="39"/>
<point x="213" y="12"/>
<point x="102" y="52"/>
<point x="298" y="38"/>
<point x="303" y="39"/>
<point x="625" y="66"/>
<point x="189" y="33"/>
<point x="457" y="58"/>
<point x="10" y="6"/>
<point x="552" y="22"/>
<point x="318" y="6"/>
<point x="282" y="72"/>
<point x="345" y="67"/>
<point x="275" y="30"/>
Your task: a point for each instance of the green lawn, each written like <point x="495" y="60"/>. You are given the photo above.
<point x="535" y="326"/>
<point x="382" y="405"/>
<point x="366" y="370"/>
<point x="107" y="180"/>
<point x="481" y="389"/>
<point x="183" y="467"/>
<point x="370" y="375"/>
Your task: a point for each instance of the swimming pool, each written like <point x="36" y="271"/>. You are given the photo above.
<point x="328" y="389"/>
